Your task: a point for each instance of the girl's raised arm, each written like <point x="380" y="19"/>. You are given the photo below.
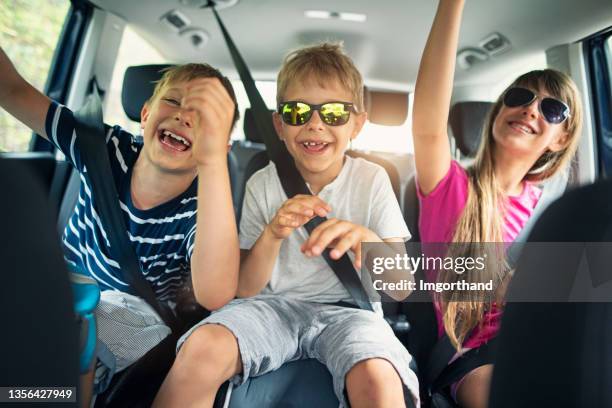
<point x="432" y="96"/>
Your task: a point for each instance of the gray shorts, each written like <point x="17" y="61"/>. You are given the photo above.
<point x="273" y="330"/>
<point x="127" y="328"/>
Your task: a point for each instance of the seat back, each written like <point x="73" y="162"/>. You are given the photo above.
<point x="39" y="343"/>
<point x="304" y="383"/>
<point x="244" y="151"/>
<point x="536" y="338"/>
<point x="54" y="174"/>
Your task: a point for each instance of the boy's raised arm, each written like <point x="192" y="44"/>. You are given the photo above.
<point x="216" y="257"/>
<point x="432" y="96"/>
<point x="21" y="99"/>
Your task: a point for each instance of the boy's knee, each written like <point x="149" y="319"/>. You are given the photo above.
<point x="210" y="351"/>
<point x="374" y="376"/>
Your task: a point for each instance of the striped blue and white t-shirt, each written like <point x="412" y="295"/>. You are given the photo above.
<point x="162" y="237"/>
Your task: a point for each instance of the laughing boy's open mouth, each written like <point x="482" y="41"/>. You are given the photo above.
<point x="314" y="146"/>
<point x="174" y="141"/>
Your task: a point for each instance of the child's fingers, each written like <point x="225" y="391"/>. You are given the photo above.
<point x="293" y="219"/>
<point x="302" y="215"/>
<point x="213" y="88"/>
<point x="287" y="221"/>
<point x="322" y="211"/>
<point x="300" y="220"/>
<point x="320" y="207"/>
<point x="347" y="242"/>
<point x="210" y="99"/>
<point x="314" y="235"/>
<point x="296" y="207"/>
<point x="207" y="107"/>
<point x="197" y="95"/>
<point x="328" y="231"/>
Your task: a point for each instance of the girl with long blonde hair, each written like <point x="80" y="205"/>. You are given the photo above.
<point x="530" y="135"/>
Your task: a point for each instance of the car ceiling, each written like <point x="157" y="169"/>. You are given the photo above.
<point x="386" y="47"/>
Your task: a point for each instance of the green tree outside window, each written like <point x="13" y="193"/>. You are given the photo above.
<point x="29" y="31"/>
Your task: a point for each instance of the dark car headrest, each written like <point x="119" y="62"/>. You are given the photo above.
<point x="466" y="121"/>
<point x="250" y="130"/>
<point x="138" y="85"/>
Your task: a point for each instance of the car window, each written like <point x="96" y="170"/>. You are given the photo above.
<point x="605" y="104"/>
<point x="133" y="50"/>
<point x="609" y="52"/>
<point x="29" y="31"/>
<point x="609" y="59"/>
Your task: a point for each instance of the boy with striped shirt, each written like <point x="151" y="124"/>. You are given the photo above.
<point x="177" y="179"/>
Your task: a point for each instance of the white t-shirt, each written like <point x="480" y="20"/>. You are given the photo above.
<point x="361" y="193"/>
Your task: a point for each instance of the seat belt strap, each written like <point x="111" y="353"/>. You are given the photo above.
<point x="440" y="372"/>
<point x="290" y="177"/>
<point x="440" y="356"/>
<point x="470" y="360"/>
<point x="89" y="128"/>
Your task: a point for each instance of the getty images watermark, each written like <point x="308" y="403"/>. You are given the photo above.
<point x="458" y="265"/>
<point x="525" y="272"/>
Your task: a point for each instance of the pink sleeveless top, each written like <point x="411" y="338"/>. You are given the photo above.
<point x="439" y="213"/>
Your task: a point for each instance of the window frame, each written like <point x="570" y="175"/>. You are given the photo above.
<point x="599" y="61"/>
<point x="63" y="63"/>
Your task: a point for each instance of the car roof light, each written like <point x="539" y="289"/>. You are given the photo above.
<point x="335" y="15"/>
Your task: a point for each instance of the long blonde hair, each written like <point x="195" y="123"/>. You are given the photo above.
<point x="482" y="218"/>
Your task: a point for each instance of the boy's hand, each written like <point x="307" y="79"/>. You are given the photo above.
<point x="341" y="236"/>
<point x="214" y="109"/>
<point x="296" y="212"/>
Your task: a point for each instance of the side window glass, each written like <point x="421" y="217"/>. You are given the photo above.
<point x="133" y="50"/>
<point x="603" y="94"/>
<point x="29" y="31"/>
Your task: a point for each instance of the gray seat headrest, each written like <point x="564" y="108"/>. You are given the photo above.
<point x="466" y="120"/>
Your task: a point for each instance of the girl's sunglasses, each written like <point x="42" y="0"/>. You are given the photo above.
<point x="297" y="113"/>
<point x="553" y="110"/>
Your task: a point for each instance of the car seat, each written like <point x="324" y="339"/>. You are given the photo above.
<point x="40" y="339"/>
<point x="555" y="351"/>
